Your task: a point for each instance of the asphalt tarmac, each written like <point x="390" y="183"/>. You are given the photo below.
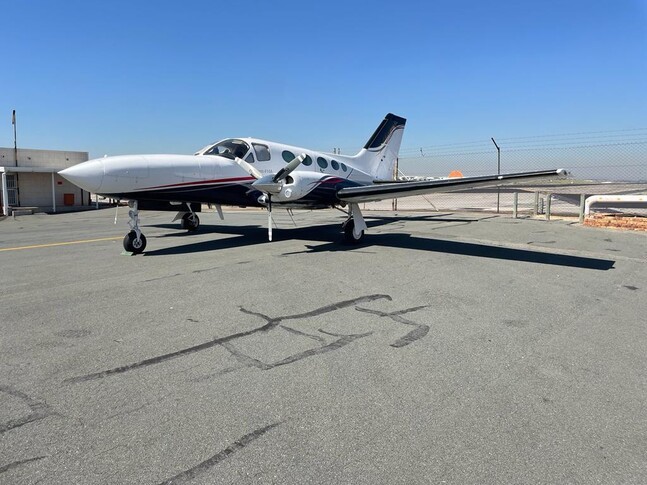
<point x="446" y="348"/>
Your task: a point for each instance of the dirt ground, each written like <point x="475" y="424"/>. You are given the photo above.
<point x="632" y="223"/>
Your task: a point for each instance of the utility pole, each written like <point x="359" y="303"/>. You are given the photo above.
<point x="498" y="172"/>
<point x="15" y="144"/>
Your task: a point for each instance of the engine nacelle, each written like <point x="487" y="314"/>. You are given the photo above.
<point x="296" y="185"/>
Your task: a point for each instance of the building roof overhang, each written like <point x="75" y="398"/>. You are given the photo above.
<point x="30" y="169"/>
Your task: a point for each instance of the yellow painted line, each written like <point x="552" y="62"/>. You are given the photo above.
<point x="83" y="241"/>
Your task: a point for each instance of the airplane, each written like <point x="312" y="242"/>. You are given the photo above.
<point x="258" y="173"/>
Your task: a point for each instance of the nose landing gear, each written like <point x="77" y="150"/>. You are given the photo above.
<point x="133" y="244"/>
<point x="134" y="241"/>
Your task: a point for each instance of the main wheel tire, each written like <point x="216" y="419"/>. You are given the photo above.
<point x="134" y="245"/>
<point x="349" y="233"/>
<point x="190" y="222"/>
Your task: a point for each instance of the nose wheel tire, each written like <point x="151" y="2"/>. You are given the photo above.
<point x="349" y="233"/>
<point x="190" y="222"/>
<point x="134" y="245"/>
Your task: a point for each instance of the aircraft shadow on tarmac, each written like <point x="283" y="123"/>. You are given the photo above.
<point x="330" y="236"/>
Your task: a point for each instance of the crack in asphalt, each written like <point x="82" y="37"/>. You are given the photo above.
<point x="38" y="410"/>
<point x="337" y="344"/>
<point x="416" y="334"/>
<point x="271" y="324"/>
<point x="236" y="446"/>
<point x="9" y="466"/>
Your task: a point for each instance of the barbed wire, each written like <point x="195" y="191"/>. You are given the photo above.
<point x="627" y="136"/>
<point x="575" y="133"/>
<point x="430" y="154"/>
<point x="601" y="155"/>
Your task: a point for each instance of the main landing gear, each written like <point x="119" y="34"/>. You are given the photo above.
<point x="354" y="226"/>
<point x="190" y="221"/>
<point x="134" y="241"/>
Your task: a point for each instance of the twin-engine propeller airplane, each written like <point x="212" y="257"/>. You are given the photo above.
<point x="253" y="172"/>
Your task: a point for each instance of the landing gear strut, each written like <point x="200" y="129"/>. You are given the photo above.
<point x="354" y="226"/>
<point x="134" y="241"/>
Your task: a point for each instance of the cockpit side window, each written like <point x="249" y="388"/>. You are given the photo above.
<point x="250" y="158"/>
<point x="262" y="152"/>
<point x="231" y="148"/>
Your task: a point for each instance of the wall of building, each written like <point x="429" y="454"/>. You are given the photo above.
<point x="36" y="191"/>
<point x="28" y="157"/>
<point x="35" y="188"/>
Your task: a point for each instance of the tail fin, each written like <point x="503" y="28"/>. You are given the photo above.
<point x="380" y="153"/>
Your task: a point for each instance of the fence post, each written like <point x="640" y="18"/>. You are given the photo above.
<point x="582" y="204"/>
<point x="515" y="203"/>
<point x="548" y="198"/>
<point x="535" y="211"/>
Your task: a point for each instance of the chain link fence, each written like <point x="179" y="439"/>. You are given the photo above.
<point x="600" y="163"/>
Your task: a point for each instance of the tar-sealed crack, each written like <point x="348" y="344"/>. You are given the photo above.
<point x="417" y="333"/>
<point x="15" y="464"/>
<point x="272" y="323"/>
<point x="236" y="446"/>
<point x="37" y="410"/>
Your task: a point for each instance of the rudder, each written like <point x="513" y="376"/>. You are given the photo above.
<point x="380" y="153"/>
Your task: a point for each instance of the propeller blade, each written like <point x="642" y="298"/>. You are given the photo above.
<point x="248" y="168"/>
<point x="269" y="217"/>
<point x="289" y="168"/>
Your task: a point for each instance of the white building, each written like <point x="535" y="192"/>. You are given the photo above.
<point x="31" y="181"/>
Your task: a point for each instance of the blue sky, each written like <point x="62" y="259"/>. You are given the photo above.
<point x="169" y="77"/>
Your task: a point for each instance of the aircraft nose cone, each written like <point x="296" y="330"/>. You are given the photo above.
<point x="87" y="175"/>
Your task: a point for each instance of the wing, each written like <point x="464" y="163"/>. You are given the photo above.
<point x="389" y="190"/>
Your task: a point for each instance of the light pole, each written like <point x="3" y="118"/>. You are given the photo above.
<point x="15" y="144"/>
<point x="498" y="172"/>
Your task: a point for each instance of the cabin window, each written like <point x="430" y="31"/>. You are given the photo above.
<point x="307" y="161"/>
<point x="344" y="167"/>
<point x="262" y="152"/>
<point x="287" y="156"/>
<point x="322" y="162"/>
<point x="334" y="164"/>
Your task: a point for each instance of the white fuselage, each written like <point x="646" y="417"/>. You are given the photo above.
<point x="213" y="169"/>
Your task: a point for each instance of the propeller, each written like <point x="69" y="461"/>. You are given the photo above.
<point x="270" y="184"/>
<point x="248" y="168"/>
<point x="269" y="217"/>
<point x="289" y="168"/>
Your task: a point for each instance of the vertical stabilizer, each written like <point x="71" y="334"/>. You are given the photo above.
<point x="380" y="153"/>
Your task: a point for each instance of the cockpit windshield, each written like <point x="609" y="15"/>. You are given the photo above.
<point x="230" y="148"/>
